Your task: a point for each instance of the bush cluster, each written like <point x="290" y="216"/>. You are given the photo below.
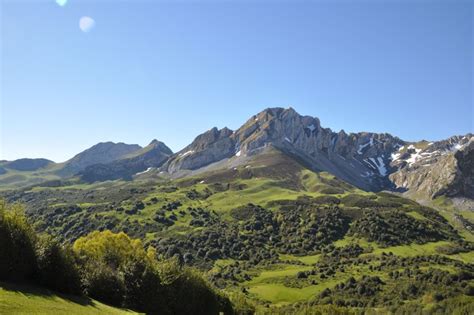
<point x="110" y="267"/>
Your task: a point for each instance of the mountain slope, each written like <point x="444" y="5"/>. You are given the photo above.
<point x="277" y="232"/>
<point x="370" y="161"/>
<point x="361" y="159"/>
<point x="433" y="169"/>
<point x="27" y="164"/>
<point x="25" y="299"/>
<point x="153" y="155"/>
<point x="103" y="152"/>
<point x="211" y="146"/>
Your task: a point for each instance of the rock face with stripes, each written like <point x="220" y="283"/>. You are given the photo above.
<point x="371" y="161"/>
<point x="431" y="169"/>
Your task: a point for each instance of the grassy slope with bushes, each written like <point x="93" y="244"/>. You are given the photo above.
<point x="28" y="299"/>
<point x="106" y="266"/>
<point x="276" y="235"/>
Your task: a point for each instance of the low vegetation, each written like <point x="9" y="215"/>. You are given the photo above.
<point x="106" y="266"/>
<point x="249" y="239"/>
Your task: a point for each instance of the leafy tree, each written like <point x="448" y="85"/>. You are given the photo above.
<point x="17" y="239"/>
<point x="56" y="266"/>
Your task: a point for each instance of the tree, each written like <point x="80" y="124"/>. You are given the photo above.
<point x="17" y="239"/>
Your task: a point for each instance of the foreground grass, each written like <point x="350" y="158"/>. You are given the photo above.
<point x="22" y="299"/>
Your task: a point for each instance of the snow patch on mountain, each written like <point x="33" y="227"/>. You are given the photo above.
<point x="145" y="171"/>
<point x="311" y="127"/>
<point x="414" y="156"/>
<point x="186" y="153"/>
<point x="380" y="165"/>
<point x="395" y="156"/>
<point x="363" y="146"/>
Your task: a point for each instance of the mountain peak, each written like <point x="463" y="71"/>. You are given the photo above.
<point x="102" y="152"/>
<point x="347" y="156"/>
<point x="159" y="144"/>
<point x="154" y="142"/>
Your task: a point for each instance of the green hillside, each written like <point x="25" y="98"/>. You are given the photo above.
<point x="278" y="236"/>
<point x="22" y="299"/>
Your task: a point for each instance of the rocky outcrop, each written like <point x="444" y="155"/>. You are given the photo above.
<point x="431" y="169"/>
<point x="211" y="146"/>
<point x="463" y="183"/>
<point x="104" y="152"/>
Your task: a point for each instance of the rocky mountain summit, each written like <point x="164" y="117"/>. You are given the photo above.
<point x="362" y="159"/>
<point x="371" y="161"/>
<point x="436" y="168"/>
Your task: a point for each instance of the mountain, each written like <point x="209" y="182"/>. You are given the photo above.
<point x="287" y="214"/>
<point x="104" y="152"/>
<point x="211" y="146"/>
<point x="279" y="233"/>
<point x="153" y="155"/>
<point x="370" y="161"/>
<point x="26" y="164"/>
<point x="436" y="168"/>
<point x="347" y="156"/>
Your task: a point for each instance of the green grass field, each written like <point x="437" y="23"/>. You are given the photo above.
<point x="276" y="283"/>
<point x="269" y="286"/>
<point x="21" y="299"/>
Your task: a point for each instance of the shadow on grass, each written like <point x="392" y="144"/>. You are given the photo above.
<point x="32" y="290"/>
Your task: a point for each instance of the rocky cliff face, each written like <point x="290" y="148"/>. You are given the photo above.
<point x="104" y="152"/>
<point x="361" y="159"/>
<point x="211" y="146"/>
<point x="464" y="180"/>
<point x="370" y="161"/>
<point x="436" y="168"/>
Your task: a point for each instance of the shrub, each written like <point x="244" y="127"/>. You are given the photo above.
<point x="360" y="201"/>
<point x="110" y="267"/>
<point x="331" y="190"/>
<point x="326" y="200"/>
<point x="113" y="249"/>
<point x="143" y="289"/>
<point x="103" y="283"/>
<point x="17" y="238"/>
<point x="56" y="266"/>
<point x="119" y="271"/>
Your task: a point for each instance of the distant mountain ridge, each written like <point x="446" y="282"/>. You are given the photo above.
<point x="370" y="161"/>
<point x="153" y="155"/>
<point x="26" y="164"/>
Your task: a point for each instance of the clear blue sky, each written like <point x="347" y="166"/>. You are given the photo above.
<point x="173" y="69"/>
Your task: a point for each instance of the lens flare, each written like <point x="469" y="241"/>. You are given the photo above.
<point x="61" y="3"/>
<point x="86" y="24"/>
